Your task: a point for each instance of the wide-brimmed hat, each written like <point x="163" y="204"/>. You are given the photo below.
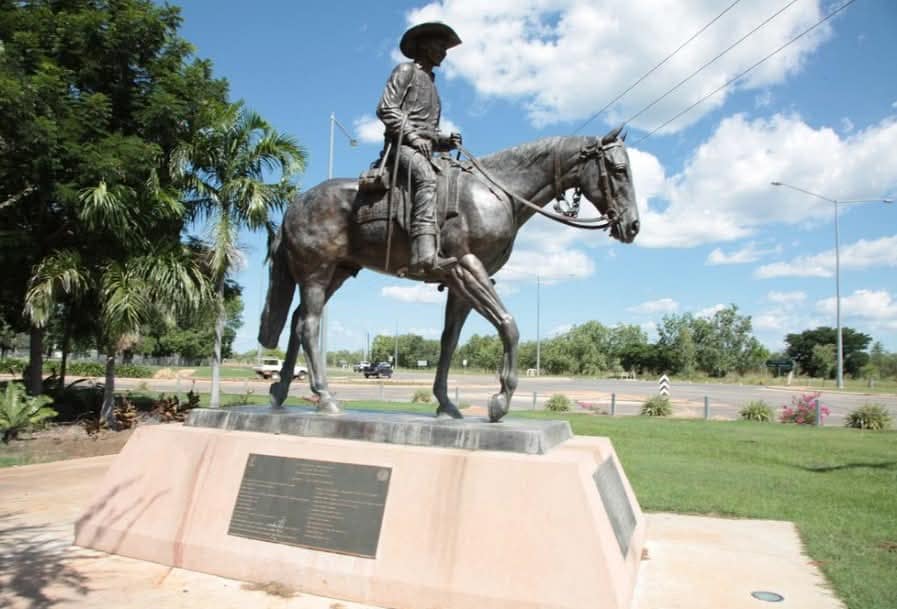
<point x="425" y="31"/>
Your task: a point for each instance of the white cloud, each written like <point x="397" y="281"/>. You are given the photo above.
<point x="663" y="305"/>
<point x="419" y="292"/>
<point x="426" y="332"/>
<point x="763" y="99"/>
<point x="558" y="330"/>
<point x="771" y="320"/>
<point x="724" y="192"/>
<point x="710" y="311"/>
<point x="749" y="253"/>
<point x="860" y="255"/>
<point x="549" y="265"/>
<point x="649" y="328"/>
<point x="846" y="125"/>
<point x="786" y="298"/>
<point x="369" y="129"/>
<point x="875" y="306"/>
<point x="563" y="59"/>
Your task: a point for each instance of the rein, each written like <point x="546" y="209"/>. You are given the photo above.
<point x="601" y="223"/>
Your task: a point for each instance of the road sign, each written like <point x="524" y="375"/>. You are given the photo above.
<point x="663" y="386"/>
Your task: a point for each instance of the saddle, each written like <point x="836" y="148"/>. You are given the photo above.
<point x="371" y="203"/>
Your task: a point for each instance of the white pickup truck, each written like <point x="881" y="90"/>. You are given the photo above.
<point x="270" y="368"/>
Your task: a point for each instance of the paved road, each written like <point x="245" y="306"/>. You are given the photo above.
<point x="725" y="400"/>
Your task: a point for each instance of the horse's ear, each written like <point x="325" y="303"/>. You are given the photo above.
<point x="623" y="135"/>
<point x="612" y="136"/>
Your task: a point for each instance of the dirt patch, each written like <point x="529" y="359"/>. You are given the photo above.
<point x="61" y="442"/>
<point x="170" y="373"/>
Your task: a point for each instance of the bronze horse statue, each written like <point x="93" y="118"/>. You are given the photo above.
<point x="320" y="245"/>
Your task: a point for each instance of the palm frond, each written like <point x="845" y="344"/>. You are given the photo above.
<point x="103" y="206"/>
<point x="60" y="274"/>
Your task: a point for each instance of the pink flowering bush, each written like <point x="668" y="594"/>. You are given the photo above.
<point x="803" y="410"/>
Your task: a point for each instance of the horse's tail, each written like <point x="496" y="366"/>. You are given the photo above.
<point x="280" y="292"/>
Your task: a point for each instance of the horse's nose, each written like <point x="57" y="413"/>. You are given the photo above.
<point x="635" y="227"/>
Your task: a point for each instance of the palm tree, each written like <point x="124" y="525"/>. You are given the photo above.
<point x="223" y="172"/>
<point x="127" y="279"/>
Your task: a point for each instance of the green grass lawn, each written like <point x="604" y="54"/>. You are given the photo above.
<point x="839" y="486"/>
<point x="227" y="372"/>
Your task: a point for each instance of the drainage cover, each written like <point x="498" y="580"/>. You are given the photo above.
<point x="770" y="597"/>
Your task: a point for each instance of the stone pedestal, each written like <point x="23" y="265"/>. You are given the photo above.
<point x="385" y="524"/>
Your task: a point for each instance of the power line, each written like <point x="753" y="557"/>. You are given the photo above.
<point x="727" y="83"/>
<point x="652" y="70"/>
<point x="693" y="74"/>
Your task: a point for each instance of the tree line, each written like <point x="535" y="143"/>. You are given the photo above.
<point x="687" y="345"/>
<point x="116" y="142"/>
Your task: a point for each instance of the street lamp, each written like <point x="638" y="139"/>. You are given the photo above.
<point x="835" y="203"/>
<point x="352" y="142"/>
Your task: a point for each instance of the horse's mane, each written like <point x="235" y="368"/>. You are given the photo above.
<point x="522" y="157"/>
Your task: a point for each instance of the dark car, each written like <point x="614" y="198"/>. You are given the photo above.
<point x="381" y="370"/>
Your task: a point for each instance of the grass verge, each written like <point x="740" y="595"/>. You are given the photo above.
<point x="837" y="485"/>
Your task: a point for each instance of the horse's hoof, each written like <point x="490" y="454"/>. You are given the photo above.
<point x="278" y="397"/>
<point x="448" y="412"/>
<point x="329" y="406"/>
<point x="498" y="407"/>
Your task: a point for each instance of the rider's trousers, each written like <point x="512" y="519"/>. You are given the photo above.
<point x="422" y="175"/>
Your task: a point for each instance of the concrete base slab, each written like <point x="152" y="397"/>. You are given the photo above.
<point x="692" y="562"/>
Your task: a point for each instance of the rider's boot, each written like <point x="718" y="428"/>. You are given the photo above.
<point x="424" y="257"/>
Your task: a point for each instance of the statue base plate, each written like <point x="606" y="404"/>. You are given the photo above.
<point x="510" y="435"/>
<point x="381" y="524"/>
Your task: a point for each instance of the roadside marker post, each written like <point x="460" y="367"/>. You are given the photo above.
<point x="706" y="408"/>
<point x="663" y="386"/>
<point x="613" y="404"/>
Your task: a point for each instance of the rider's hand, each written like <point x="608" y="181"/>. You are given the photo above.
<point x="422" y="145"/>
<point x="455" y="140"/>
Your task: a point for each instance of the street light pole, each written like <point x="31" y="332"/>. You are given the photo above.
<point x="538" y="324"/>
<point x="835" y="203"/>
<point x="322" y="332"/>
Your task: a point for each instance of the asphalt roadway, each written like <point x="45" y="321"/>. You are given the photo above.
<point x="688" y="399"/>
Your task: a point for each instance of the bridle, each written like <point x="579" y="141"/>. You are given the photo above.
<point x="591" y="152"/>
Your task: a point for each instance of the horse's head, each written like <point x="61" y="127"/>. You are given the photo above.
<point x="606" y="181"/>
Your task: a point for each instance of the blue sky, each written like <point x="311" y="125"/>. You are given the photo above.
<point x="821" y="115"/>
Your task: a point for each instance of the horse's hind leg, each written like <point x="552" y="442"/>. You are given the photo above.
<point x="471" y="281"/>
<point x="314" y="296"/>
<point x="281" y="389"/>
<point x="456" y="311"/>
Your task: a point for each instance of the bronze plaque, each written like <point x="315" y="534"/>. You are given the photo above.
<point x="616" y="503"/>
<point x="322" y="505"/>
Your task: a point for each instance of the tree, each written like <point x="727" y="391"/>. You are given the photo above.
<point x="801" y="345"/>
<point x="676" y="335"/>
<point x="94" y="96"/>
<point x="128" y="293"/>
<point x="222" y="171"/>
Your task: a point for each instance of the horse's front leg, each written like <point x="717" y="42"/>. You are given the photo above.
<point x="472" y="283"/>
<point x="456" y="311"/>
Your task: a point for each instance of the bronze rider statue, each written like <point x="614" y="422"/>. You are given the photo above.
<point x="410" y="106"/>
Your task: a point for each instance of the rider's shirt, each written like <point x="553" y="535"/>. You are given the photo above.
<point x="410" y="92"/>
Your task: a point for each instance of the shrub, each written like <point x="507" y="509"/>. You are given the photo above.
<point x="757" y="410"/>
<point x="658" y="406"/>
<point x="133" y="371"/>
<point x="11" y="365"/>
<point x="803" y="410"/>
<point x="19" y="412"/>
<point x="422" y="396"/>
<point x="86" y="369"/>
<point x="869" y="416"/>
<point x="558" y="403"/>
